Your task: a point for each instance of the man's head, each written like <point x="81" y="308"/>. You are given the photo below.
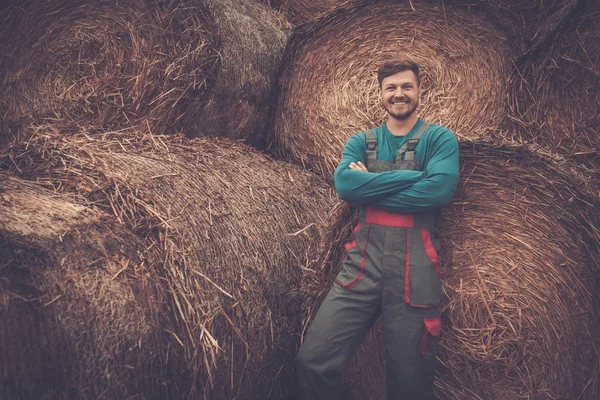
<point x="400" y="87"/>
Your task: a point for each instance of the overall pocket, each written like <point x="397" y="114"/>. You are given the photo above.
<point x="423" y="286"/>
<point x="431" y="334"/>
<point x="354" y="262"/>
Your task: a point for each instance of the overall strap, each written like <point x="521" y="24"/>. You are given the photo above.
<point x="410" y="144"/>
<point x="371" y="147"/>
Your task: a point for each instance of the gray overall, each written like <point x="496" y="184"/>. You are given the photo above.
<point x="391" y="269"/>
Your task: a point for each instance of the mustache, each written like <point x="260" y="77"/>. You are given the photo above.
<point x="403" y="98"/>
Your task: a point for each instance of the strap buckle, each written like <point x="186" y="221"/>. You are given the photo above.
<point x="411" y="144"/>
<point x="371" y="140"/>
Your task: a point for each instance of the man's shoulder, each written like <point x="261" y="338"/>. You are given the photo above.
<point x="360" y="138"/>
<point x="437" y="132"/>
<point x="438" y="129"/>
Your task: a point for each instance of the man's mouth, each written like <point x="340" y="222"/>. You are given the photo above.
<point x="400" y="101"/>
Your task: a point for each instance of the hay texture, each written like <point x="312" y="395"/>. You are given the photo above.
<point x="299" y="12"/>
<point x="329" y="88"/>
<point x="556" y="89"/>
<point x="191" y="66"/>
<point x="520" y="249"/>
<point x="531" y="19"/>
<point x="225" y="232"/>
<point x="527" y="17"/>
<point x="72" y="322"/>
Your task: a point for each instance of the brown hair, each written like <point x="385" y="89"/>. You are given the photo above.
<point x="391" y="67"/>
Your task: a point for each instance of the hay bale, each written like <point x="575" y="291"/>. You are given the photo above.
<point x="253" y="38"/>
<point x="556" y="90"/>
<point x="194" y="66"/>
<point x="106" y="64"/>
<point x="226" y="232"/>
<point x="520" y="250"/>
<point x="329" y="88"/>
<point x="72" y="322"/>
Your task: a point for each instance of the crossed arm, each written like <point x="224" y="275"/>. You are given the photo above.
<point x="400" y="191"/>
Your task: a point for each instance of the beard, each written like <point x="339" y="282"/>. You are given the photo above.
<point x="402" y="115"/>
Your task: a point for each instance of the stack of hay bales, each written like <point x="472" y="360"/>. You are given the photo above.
<point x="174" y="264"/>
<point x="182" y="267"/>
<point x="221" y="234"/>
<point x="521" y="241"/>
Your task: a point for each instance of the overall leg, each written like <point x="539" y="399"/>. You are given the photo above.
<point x="339" y="327"/>
<point x="345" y="316"/>
<point x="410" y="316"/>
<point x="410" y="351"/>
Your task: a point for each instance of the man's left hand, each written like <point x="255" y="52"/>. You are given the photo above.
<point x="359" y="166"/>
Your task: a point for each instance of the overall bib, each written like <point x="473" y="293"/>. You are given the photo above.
<point x="391" y="269"/>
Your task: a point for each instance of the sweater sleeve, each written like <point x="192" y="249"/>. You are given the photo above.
<point x="436" y="188"/>
<point x="366" y="187"/>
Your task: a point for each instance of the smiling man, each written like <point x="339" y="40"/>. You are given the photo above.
<point x="400" y="174"/>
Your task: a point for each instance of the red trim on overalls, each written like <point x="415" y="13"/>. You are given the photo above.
<point x="430" y="250"/>
<point x="407" y="273"/>
<point x="350" y="285"/>
<point x="353" y="243"/>
<point x="380" y="217"/>
<point x="432" y="326"/>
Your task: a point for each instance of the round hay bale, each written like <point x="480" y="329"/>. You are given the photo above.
<point x="329" y="89"/>
<point x="191" y="66"/>
<point x="226" y="231"/>
<point x="106" y="64"/>
<point x="520" y="250"/>
<point x="72" y="322"/>
<point x="556" y="90"/>
<point x="253" y="39"/>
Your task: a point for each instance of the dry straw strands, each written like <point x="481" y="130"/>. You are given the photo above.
<point x="329" y="88"/>
<point x="253" y="38"/>
<point x="190" y="66"/>
<point x="105" y="64"/>
<point x="530" y="18"/>
<point x="71" y="315"/>
<point x="302" y="11"/>
<point x="556" y="90"/>
<point x="225" y="233"/>
<point x="520" y="250"/>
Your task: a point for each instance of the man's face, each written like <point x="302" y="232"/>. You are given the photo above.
<point x="400" y="94"/>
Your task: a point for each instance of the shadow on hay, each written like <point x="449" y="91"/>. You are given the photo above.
<point x="73" y="321"/>
<point x="555" y="91"/>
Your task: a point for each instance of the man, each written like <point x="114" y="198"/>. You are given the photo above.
<point x="400" y="174"/>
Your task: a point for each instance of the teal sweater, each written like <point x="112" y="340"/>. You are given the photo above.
<point x="401" y="191"/>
